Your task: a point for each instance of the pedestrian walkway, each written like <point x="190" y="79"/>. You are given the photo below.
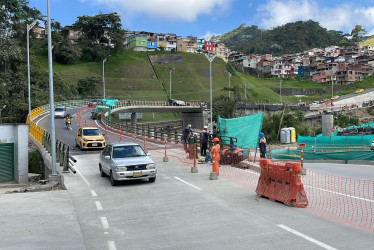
<point x="39" y="220"/>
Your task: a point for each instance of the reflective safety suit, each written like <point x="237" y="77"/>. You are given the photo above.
<point x="215" y="157"/>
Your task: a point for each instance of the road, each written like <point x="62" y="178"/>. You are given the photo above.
<point x="188" y="211"/>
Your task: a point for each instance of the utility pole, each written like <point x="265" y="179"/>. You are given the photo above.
<point x="29" y="27"/>
<point x="280" y="90"/>
<point x="210" y="59"/>
<point x="51" y="97"/>
<point x="170" y="83"/>
<point x="104" y="78"/>
<point x="229" y="84"/>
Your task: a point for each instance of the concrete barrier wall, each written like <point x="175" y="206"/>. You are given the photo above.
<point x="17" y="134"/>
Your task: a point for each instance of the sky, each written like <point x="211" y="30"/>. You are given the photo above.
<point x="204" y="18"/>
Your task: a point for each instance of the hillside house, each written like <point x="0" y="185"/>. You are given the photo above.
<point x="222" y="51"/>
<point x="39" y="32"/>
<point x="171" y="42"/>
<point x="187" y="45"/>
<point x="200" y="45"/>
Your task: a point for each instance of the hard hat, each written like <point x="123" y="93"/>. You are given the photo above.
<point x="215" y="139"/>
<point x="372" y="141"/>
<point x="261" y="134"/>
<point x="205" y="126"/>
<point x="189" y="125"/>
<point x="214" y="125"/>
<point x="233" y="147"/>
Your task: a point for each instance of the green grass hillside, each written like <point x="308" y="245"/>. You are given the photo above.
<point x="131" y="76"/>
<point x="368" y="42"/>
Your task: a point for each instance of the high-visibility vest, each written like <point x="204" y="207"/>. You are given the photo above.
<point x="215" y="151"/>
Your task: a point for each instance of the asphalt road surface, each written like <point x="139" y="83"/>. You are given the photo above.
<point x="182" y="210"/>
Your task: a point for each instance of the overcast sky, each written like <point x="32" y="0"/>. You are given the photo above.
<point x="203" y="18"/>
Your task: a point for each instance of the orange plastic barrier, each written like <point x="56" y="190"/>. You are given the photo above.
<point x="282" y="182"/>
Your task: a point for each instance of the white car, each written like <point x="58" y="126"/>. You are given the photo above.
<point x="126" y="161"/>
<point x="60" y="112"/>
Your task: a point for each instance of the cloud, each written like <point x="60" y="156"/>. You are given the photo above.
<point x="209" y="35"/>
<point x="186" y="10"/>
<point x="343" y="16"/>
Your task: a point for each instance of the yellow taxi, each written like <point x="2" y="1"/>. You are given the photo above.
<point x="359" y="91"/>
<point x="89" y="137"/>
<point x="335" y="97"/>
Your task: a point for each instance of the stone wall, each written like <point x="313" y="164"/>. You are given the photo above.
<point x="166" y="59"/>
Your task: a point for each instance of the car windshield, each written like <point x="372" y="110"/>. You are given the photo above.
<point x="128" y="151"/>
<point x="59" y="109"/>
<point x="91" y="132"/>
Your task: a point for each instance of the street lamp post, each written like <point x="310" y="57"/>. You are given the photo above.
<point x="1" y="119"/>
<point x="104" y="76"/>
<point x="229" y="83"/>
<point x="210" y="59"/>
<point x="51" y="97"/>
<point x="170" y="83"/>
<point x="29" y="27"/>
<point x="280" y="91"/>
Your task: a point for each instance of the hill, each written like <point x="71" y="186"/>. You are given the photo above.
<point x="131" y="75"/>
<point x="368" y="42"/>
<point x="286" y="39"/>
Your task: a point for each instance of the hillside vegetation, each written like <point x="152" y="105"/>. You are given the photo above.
<point x="130" y="76"/>
<point x="289" y="38"/>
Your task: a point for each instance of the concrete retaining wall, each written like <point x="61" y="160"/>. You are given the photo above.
<point x="17" y="134"/>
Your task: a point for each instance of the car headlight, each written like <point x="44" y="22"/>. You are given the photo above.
<point x="121" y="168"/>
<point x="100" y="140"/>
<point x="150" y="166"/>
<point x="84" y="139"/>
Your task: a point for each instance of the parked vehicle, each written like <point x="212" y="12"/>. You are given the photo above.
<point x="335" y="97"/>
<point x="126" y="161"/>
<point x="89" y="137"/>
<point x="93" y="102"/>
<point x="60" y="112"/>
<point x="359" y="91"/>
<point x="173" y="102"/>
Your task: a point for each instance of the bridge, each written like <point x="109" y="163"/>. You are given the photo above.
<point x="193" y="113"/>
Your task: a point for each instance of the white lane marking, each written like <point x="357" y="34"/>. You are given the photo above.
<point x="83" y="178"/>
<point x="106" y="233"/>
<point x="41" y="118"/>
<point x="185" y="182"/>
<point x="105" y="222"/>
<point x="112" y="245"/>
<point x="98" y="205"/>
<point x="93" y="193"/>
<point x="319" y="243"/>
<point x="333" y="192"/>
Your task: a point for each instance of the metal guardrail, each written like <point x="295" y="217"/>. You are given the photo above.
<point x="43" y="137"/>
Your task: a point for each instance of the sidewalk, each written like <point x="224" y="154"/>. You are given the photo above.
<point x="39" y="220"/>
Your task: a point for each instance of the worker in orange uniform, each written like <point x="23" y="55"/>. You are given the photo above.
<point x="215" y="155"/>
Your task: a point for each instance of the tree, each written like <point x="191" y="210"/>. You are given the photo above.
<point x="358" y="33"/>
<point x="89" y="86"/>
<point x="223" y="106"/>
<point x="103" y="29"/>
<point x="66" y="52"/>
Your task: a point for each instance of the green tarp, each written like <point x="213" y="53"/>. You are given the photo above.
<point x="245" y="129"/>
<point x="336" y="142"/>
<point x="361" y="155"/>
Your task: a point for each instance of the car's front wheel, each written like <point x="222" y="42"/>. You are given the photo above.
<point x="102" y="173"/>
<point x="113" y="182"/>
<point x="153" y="179"/>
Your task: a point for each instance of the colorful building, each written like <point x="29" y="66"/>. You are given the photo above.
<point x="137" y="42"/>
<point x="187" y="45"/>
<point x="200" y="45"/>
<point x="209" y="47"/>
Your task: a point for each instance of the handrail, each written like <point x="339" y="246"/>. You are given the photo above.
<point x="43" y="137"/>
